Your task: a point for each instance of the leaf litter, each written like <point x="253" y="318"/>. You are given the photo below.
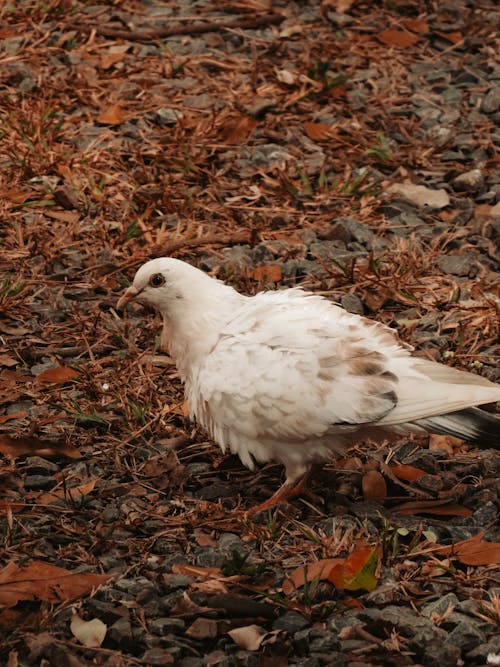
<point x="317" y="146"/>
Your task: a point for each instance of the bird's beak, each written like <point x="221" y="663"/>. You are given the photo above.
<point x="130" y="294"/>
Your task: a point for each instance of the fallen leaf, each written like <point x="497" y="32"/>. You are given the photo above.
<point x="448" y="443"/>
<point x="238" y="131"/>
<point x="113" y="116"/>
<point x="267" y="274"/>
<point x="13" y="415"/>
<point x="89" y="633"/>
<point x="408" y="473"/>
<point x="357" y="571"/>
<point x="196" y="571"/>
<point x="71" y="217"/>
<point x="398" y="38"/>
<point x="316" y="570"/>
<point x="14" y="447"/>
<point x="420" y="195"/>
<point x="72" y="495"/>
<point x="16" y="195"/>
<point x="57" y="375"/>
<point x="203" y="628"/>
<point x="417" y="25"/>
<point x="454" y="37"/>
<point x="439" y="507"/>
<point x="474" y="551"/>
<point x="318" y="131"/>
<point x="42" y="581"/>
<point x="6" y="360"/>
<point x="374" y="486"/>
<point x="107" y="60"/>
<point x="286" y="76"/>
<point x="211" y="587"/>
<point x="248" y="637"/>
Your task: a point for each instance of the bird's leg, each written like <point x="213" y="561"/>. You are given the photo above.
<point x="289" y="489"/>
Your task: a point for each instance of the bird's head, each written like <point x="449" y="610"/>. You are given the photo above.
<point x="162" y="282"/>
<point x="178" y="290"/>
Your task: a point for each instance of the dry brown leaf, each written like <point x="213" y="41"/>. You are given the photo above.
<point x="420" y="194"/>
<point x="341" y="6"/>
<point x="408" y="473"/>
<point x="112" y="116"/>
<point x="16" y="195"/>
<point x="239" y="131"/>
<point x="267" y="274"/>
<point x="107" y="60"/>
<point x="375" y="299"/>
<point x="417" y="25"/>
<point x="42" y="581"/>
<point x="14" y="447"/>
<point x="374" y="486"/>
<point x="454" y="37"/>
<point x="249" y="637"/>
<point x="196" y="571"/>
<point x="316" y="570"/>
<point x="203" y="539"/>
<point x="13" y="415"/>
<point x="64" y="216"/>
<point x="474" y="551"/>
<point x="439" y="507"/>
<point x="211" y="587"/>
<point x="89" y="633"/>
<point x="398" y="38"/>
<point x="72" y="495"/>
<point x="448" y="443"/>
<point x="57" y="375"/>
<point x="203" y="628"/>
<point x="7" y="360"/>
<point x="318" y="131"/>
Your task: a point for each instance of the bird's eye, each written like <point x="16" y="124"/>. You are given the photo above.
<point x="157" y="280"/>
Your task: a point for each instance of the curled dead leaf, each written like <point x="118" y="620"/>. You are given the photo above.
<point x="248" y="637"/>
<point x="89" y="633"/>
<point x="112" y="116"/>
<point x="57" y="375"/>
<point x="374" y="486"/>
<point x="14" y="447"/>
<point x="42" y="581"/>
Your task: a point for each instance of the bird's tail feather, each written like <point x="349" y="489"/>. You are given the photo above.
<point x="472" y="425"/>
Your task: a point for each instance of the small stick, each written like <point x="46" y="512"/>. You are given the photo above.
<point x="195" y="29"/>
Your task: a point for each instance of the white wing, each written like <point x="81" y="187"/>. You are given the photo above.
<point x="290" y="366"/>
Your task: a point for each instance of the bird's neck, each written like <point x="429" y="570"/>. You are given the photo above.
<point x="192" y="333"/>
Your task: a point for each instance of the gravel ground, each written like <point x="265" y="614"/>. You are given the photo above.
<point x="350" y="148"/>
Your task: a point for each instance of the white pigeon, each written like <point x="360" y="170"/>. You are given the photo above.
<point x="288" y="376"/>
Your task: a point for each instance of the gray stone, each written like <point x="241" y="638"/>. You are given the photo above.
<point x="291" y="621"/>
<point x="492" y="646"/>
<point x="456" y="265"/>
<point x="466" y="636"/>
<point x="36" y="465"/>
<point x="169" y="116"/>
<point x="120" y="632"/>
<point x="158" y="656"/>
<point x="440" y="605"/>
<point x="491" y="101"/>
<point x="164" y="625"/>
<point x="472" y="180"/>
<point x="229" y="542"/>
<point x="201" y="101"/>
<point x="110" y="513"/>
<point x="138" y="586"/>
<point x="208" y="557"/>
<point x="353" y="304"/>
<point x="39" y="482"/>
